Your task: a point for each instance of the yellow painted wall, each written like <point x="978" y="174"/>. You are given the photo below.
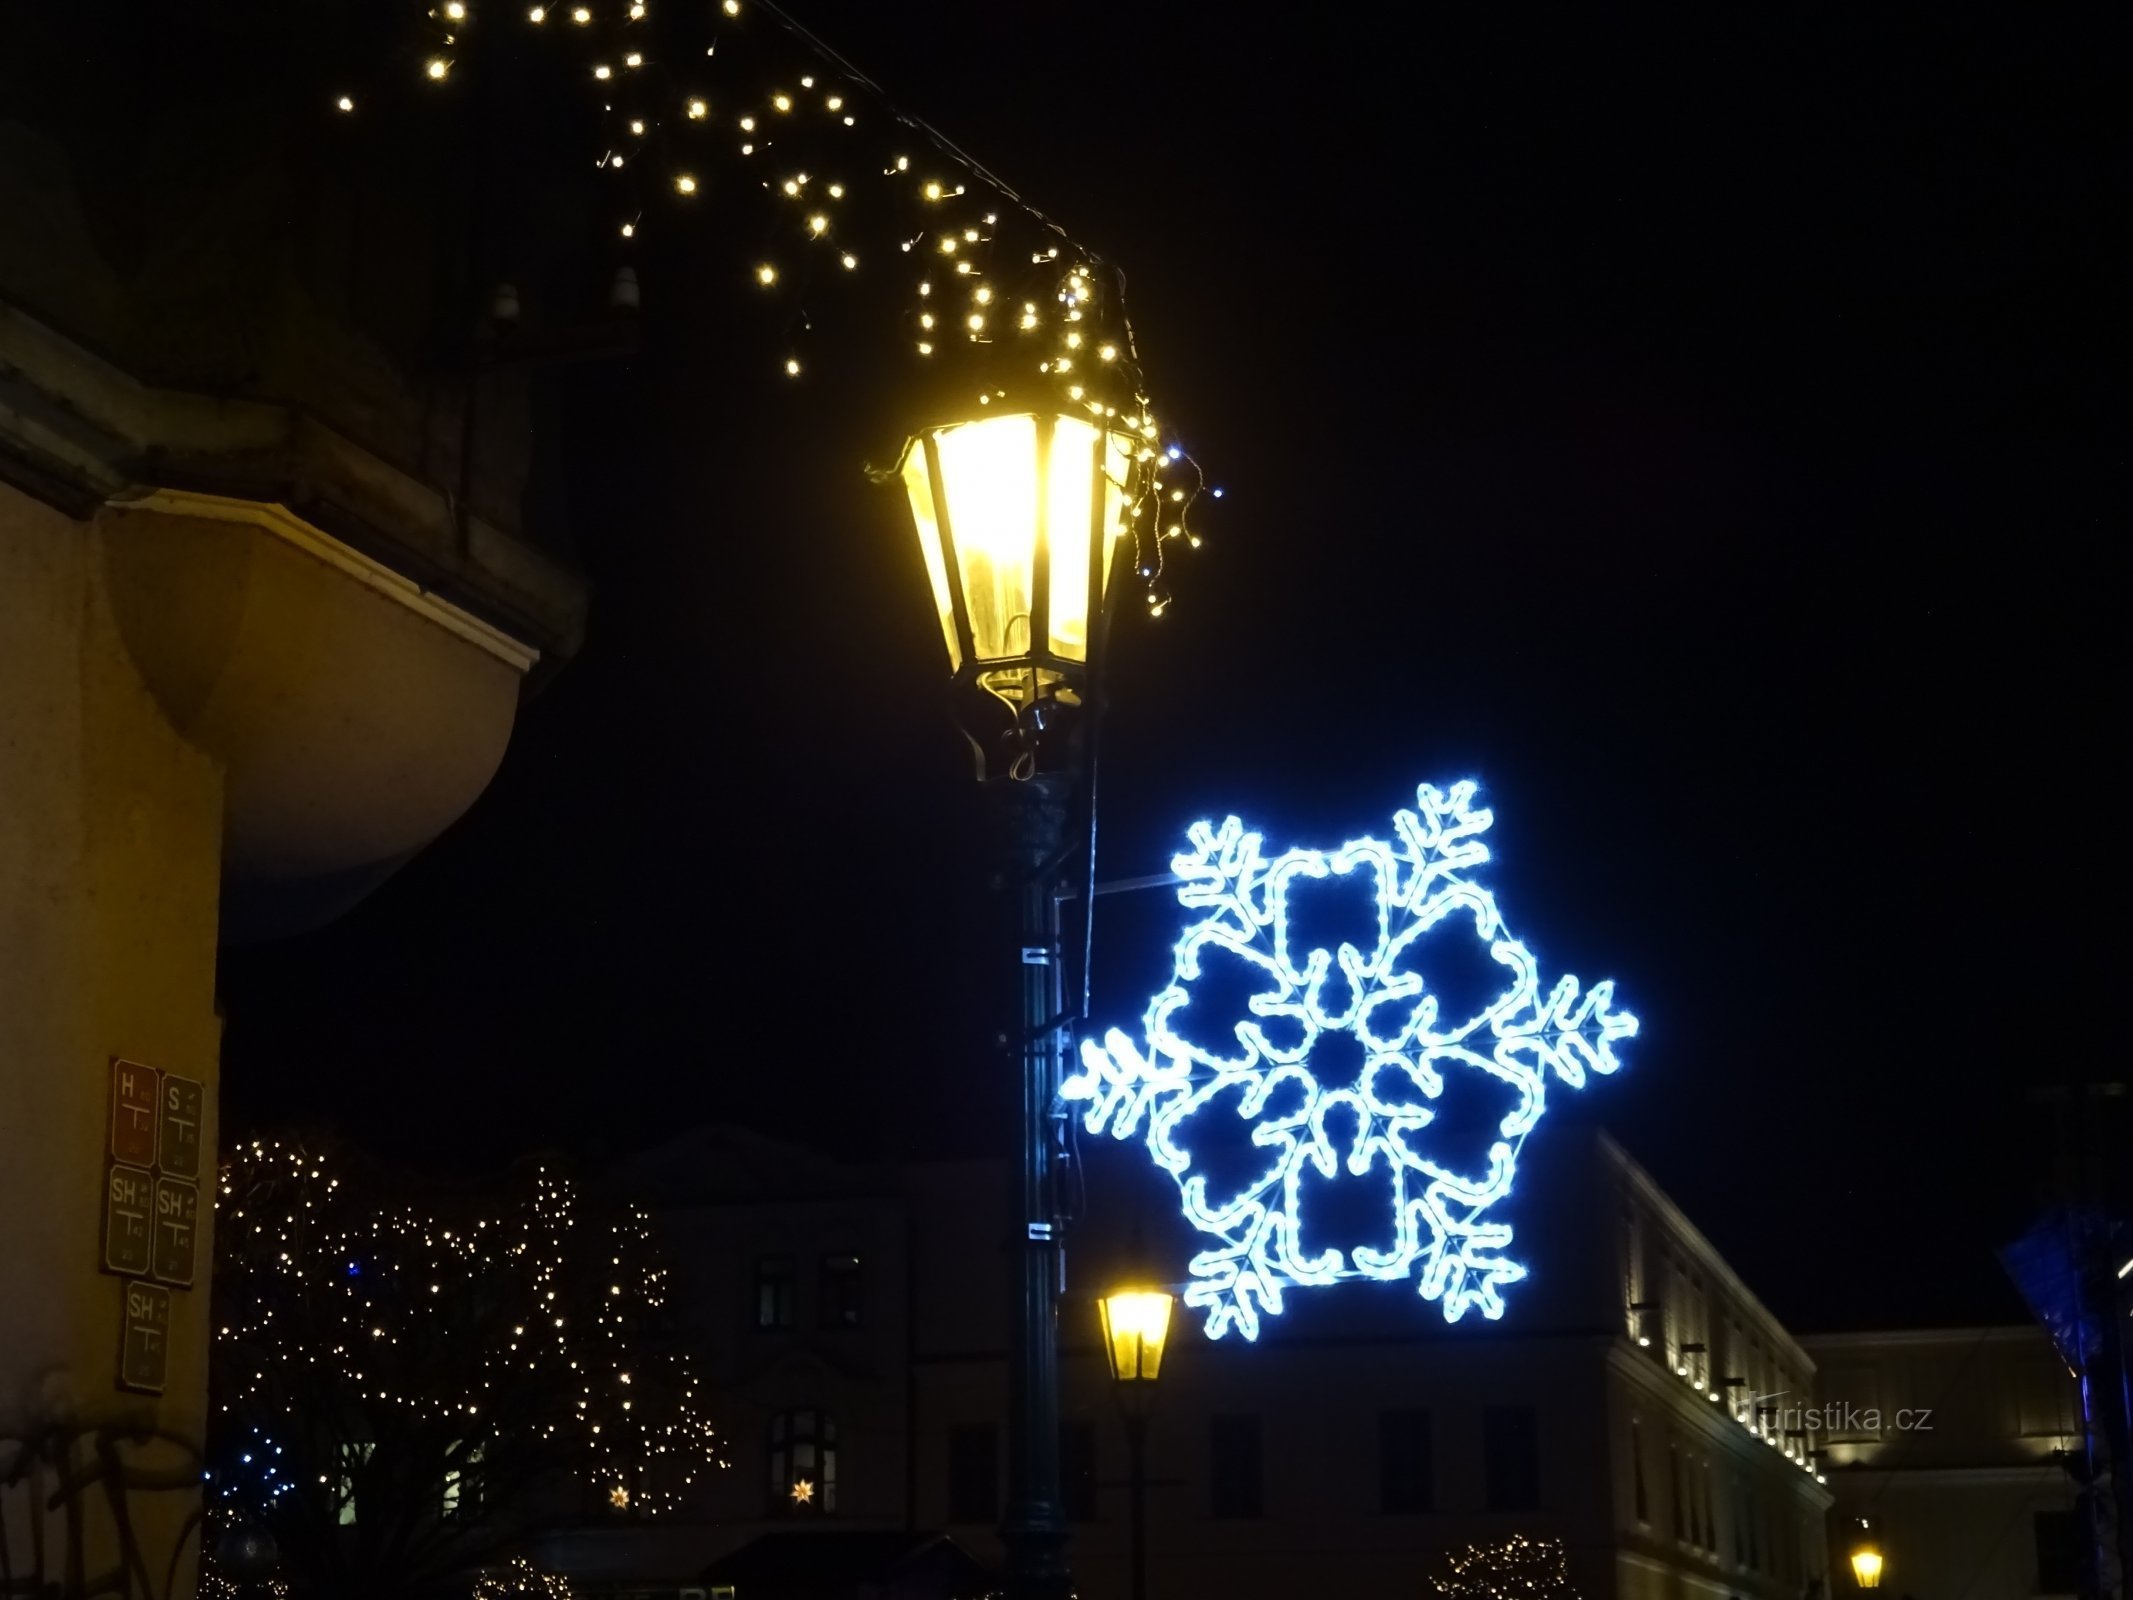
<point x="110" y="844"/>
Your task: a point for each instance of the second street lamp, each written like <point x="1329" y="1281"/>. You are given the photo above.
<point x="1866" y="1559"/>
<point x="1136" y="1327"/>
<point x="1019" y="519"/>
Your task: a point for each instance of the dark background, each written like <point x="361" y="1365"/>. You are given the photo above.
<point x="1700" y="427"/>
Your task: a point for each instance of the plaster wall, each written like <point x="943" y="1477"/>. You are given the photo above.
<point x="110" y="847"/>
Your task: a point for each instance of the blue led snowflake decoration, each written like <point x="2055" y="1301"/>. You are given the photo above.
<point x="1344" y="1063"/>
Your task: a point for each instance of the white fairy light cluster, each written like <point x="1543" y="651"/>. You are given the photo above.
<point x="316" y="1293"/>
<point x="1506" y="1569"/>
<point x="1000" y="305"/>
<point x="522" y="1580"/>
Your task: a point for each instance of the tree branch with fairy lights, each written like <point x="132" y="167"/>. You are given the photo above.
<point x="400" y="1388"/>
<point x="703" y="102"/>
<point x="1511" y="1568"/>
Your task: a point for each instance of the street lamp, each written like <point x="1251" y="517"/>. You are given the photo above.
<point x="1136" y="1323"/>
<point x="1866" y="1560"/>
<point x="1019" y="520"/>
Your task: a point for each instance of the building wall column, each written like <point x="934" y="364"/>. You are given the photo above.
<point x="110" y="856"/>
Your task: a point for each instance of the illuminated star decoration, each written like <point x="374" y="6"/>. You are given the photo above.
<point x="803" y="1491"/>
<point x="1342" y="1064"/>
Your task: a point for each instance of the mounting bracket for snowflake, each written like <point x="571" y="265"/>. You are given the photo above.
<point x="1376" y="1125"/>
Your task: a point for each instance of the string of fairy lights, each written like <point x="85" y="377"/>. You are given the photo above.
<point x="716" y="93"/>
<point x="1515" y="1565"/>
<point x="372" y="1285"/>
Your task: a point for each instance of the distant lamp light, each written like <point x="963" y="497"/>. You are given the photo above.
<point x="1136" y="1327"/>
<point x="1866" y="1563"/>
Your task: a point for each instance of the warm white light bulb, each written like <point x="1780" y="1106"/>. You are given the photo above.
<point x="1108" y="352"/>
<point x="835" y="102"/>
<point x="633" y="60"/>
<point x="345" y="103"/>
<point x="603" y="72"/>
<point x="747" y="124"/>
<point x="537" y="14"/>
<point x="792" y="370"/>
<point x="637" y="128"/>
<point x="766" y="274"/>
<point x="818" y="224"/>
<point x="836" y="191"/>
<point x="977" y="321"/>
<point x="698" y="110"/>
<point x="850" y="261"/>
<point x="924" y="348"/>
<point x="782" y="102"/>
<point x="903" y="163"/>
<point x="933" y="190"/>
<point x="580" y="15"/>
<point x="733" y="8"/>
<point x="456" y="10"/>
<point x="982" y="295"/>
<point x="685" y="184"/>
<point x="947" y="244"/>
<point x="437" y="67"/>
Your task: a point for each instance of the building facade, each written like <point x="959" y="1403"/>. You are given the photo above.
<point x="853" y="1325"/>
<point x="1950" y="1449"/>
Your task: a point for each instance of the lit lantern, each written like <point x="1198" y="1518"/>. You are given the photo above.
<point x="1019" y="518"/>
<point x="1866" y="1563"/>
<point x="1136" y="1325"/>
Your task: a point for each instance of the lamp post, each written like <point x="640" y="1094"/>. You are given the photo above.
<point x="1019" y="518"/>
<point x="1136" y="1324"/>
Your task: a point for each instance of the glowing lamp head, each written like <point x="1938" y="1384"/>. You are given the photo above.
<point x="1136" y="1327"/>
<point x="1866" y="1563"/>
<point x="1019" y="519"/>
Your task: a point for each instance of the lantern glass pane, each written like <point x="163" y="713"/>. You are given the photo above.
<point x="918" y="484"/>
<point x="1074" y="458"/>
<point x="990" y="470"/>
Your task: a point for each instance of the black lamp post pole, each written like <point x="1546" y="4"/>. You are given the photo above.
<point x="1030" y="819"/>
<point x="1137" y="1491"/>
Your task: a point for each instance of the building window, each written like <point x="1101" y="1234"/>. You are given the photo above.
<point x="974" y="1473"/>
<point x="1407" y="1466"/>
<point x="1707" y="1525"/>
<point x="841" y="1297"/>
<point x="1233" y="1466"/>
<point x="1636" y="1471"/>
<point x="2058" y="1536"/>
<point x="462" y="1481"/>
<point x="1077" y="1470"/>
<point x="773" y="1292"/>
<point x="1681" y="1524"/>
<point x="1510" y="1458"/>
<point x="803" y="1464"/>
<point x="355" y="1457"/>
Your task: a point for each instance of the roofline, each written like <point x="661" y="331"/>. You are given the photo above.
<point x="1662" y="1203"/>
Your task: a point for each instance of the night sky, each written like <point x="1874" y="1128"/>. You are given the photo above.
<point x="1695" y="426"/>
